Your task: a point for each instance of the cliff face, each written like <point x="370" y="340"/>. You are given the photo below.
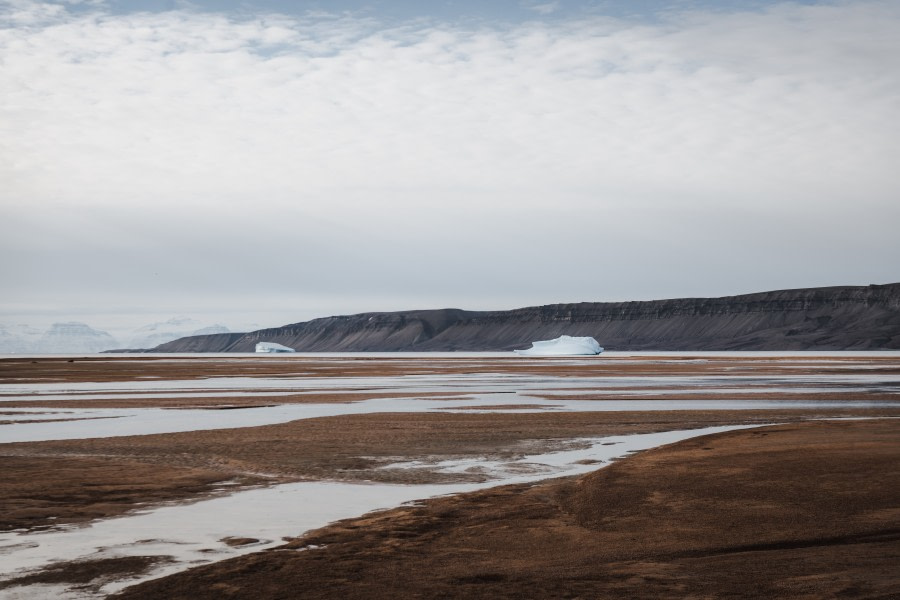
<point x="834" y="318"/>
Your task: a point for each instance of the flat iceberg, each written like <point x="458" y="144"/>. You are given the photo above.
<point x="272" y="347"/>
<point x="564" y="345"/>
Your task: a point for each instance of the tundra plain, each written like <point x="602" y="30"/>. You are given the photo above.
<point x="804" y="504"/>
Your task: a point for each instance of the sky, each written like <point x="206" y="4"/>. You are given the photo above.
<point x="267" y="162"/>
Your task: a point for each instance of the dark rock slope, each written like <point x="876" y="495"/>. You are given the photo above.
<point x="833" y="318"/>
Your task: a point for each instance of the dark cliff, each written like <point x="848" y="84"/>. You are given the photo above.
<point x="833" y="318"/>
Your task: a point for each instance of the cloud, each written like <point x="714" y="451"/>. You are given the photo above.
<point x="342" y="156"/>
<point x="544" y="8"/>
<point x="26" y="12"/>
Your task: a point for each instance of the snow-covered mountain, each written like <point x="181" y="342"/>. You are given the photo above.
<point x="19" y="338"/>
<point x="78" y="337"/>
<point x="74" y="337"/>
<point x="71" y="336"/>
<point x="154" y="334"/>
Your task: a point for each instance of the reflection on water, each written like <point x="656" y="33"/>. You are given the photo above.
<point x="193" y="533"/>
<point x="112" y="422"/>
<point x="527" y="392"/>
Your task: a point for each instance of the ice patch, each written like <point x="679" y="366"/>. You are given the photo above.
<point x="271" y="347"/>
<point x="564" y="345"/>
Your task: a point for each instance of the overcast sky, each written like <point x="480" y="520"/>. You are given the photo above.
<point x="269" y="162"/>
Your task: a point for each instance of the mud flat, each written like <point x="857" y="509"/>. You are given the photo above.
<point x="404" y="426"/>
<point x="792" y="511"/>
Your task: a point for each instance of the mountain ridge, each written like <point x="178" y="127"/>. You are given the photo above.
<point x="827" y="318"/>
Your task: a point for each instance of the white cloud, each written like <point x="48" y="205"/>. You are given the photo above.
<point x="543" y="8"/>
<point x="195" y="136"/>
<point x="28" y="12"/>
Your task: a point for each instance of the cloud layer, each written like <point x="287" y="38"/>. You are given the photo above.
<point x="339" y="162"/>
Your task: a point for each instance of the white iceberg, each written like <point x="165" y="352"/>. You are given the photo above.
<point x="272" y="347"/>
<point x="564" y="345"/>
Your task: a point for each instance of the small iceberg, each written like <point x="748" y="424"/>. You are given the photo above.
<point x="272" y="347"/>
<point x="564" y="345"/>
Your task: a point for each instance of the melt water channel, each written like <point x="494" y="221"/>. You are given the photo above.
<point x="194" y="533"/>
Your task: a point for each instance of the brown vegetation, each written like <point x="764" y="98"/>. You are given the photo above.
<point x="148" y="367"/>
<point x="77" y="480"/>
<point x="767" y="513"/>
<point x="799" y="511"/>
<point x="47" y="491"/>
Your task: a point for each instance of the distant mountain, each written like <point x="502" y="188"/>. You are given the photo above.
<point x="155" y="334"/>
<point x="18" y="338"/>
<point x="73" y="337"/>
<point x="77" y="337"/>
<point x="832" y="318"/>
